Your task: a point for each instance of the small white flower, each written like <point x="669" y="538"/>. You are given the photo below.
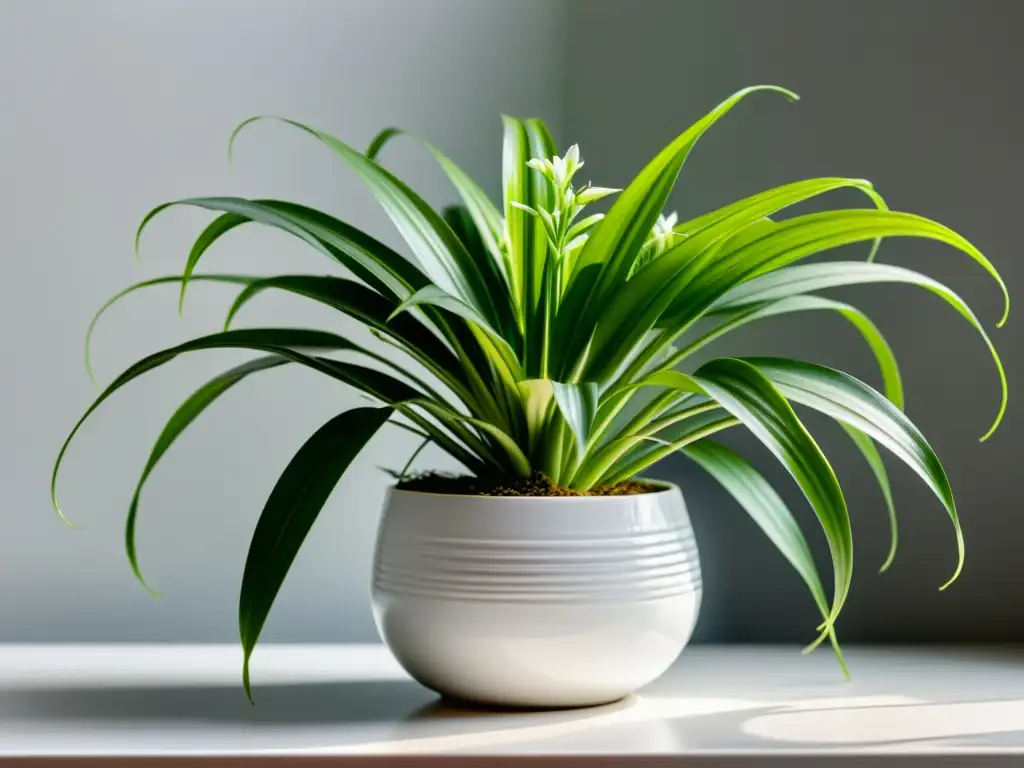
<point x="558" y="169"/>
<point x="542" y="166"/>
<point x="572" y="159"/>
<point x="664" y="227"/>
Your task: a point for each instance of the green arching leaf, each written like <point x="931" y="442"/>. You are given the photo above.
<point x="803" y="235"/>
<point x="167" y="280"/>
<point x="285" y="342"/>
<point x="612" y="455"/>
<point x="874" y="459"/>
<point x="669" y="379"/>
<point x="517" y="460"/>
<point x="765" y="507"/>
<point x="368" y="307"/>
<point x="578" y="404"/>
<point x="436" y="296"/>
<point x="853" y="402"/>
<point x="696" y="289"/>
<point x="606" y="260"/>
<point x="213" y="232"/>
<point x="290" y="512"/>
<point x="759" y="500"/>
<point x="188" y="412"/>
<point x="436" y="247"/>
<point x="370" y="260"/>
<point x="375" y="146"/>
<point x="773" y="200"/>
<point x="893" y="383"/>
<point x="666" y="293"/>
<point x="489" y="224"/>
<point x="707" y="239"/>
<point x="637" y="460"/>
<point x="748" y="395"/>
<point x="805" y="278"/>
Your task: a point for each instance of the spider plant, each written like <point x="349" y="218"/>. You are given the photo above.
<point x="539" y="336"/>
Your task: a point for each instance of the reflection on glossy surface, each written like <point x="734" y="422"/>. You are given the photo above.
<point x="325" y="700"/>
<point x="891" y="723"/>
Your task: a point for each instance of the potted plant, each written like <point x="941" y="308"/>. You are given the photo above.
<point x="541" y="345"/>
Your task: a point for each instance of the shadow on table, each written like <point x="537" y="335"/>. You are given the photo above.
<point x="666" y="723"/>
<point x="277" y="704"/>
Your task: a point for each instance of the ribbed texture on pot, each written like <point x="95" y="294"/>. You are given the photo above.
<point x="565" y="550"/>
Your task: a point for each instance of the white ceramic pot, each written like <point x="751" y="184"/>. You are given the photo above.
<point x="540" y="602"/>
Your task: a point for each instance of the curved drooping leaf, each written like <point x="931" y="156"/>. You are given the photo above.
<point x="378" y="142"/>
<point x="759" y="500"/>
<point x="805" y="278"/>
<point x="892" y="382"/>
<point x="874" y="459"/>
<point x="729" y="218"/>
<point x="167" y="280"/>
<point x="745" y="392"/>
<point x="678" y="289"/>
<point x="853" y="402"/>
<point x="438" y="250"/>
<point x="285" y="342"/>
<point x="187" y="412"/>
<point x="370" y="260"/>
<point x="370" y="308"/>
<point x="802" y="235"/>
<point x="290" y="512"/>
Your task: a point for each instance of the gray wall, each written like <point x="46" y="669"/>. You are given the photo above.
<point x="922" y="98"/>
<point x="110" y="107"/>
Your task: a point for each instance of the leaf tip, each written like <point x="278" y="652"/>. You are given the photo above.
<point x="791" y="95"/>
<point x="63" y="518"/>
<point x="234" y="135"/>
<point x="55" y="501"/>
<point x="995" y="424"/>
<point x="245" y="675"/>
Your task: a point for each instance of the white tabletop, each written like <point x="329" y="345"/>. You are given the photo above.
<point x="717" y="705"/>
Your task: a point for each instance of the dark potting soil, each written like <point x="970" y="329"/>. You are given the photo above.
<point x="537" y="484"/>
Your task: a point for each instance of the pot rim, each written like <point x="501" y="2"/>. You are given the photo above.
<point x="663" y="486"/>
